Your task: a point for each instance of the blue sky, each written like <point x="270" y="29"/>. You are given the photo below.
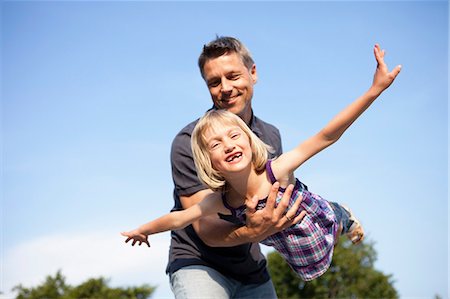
<point x="94" y="92"/>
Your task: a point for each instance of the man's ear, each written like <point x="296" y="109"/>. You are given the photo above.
<point x="254" y="73"/>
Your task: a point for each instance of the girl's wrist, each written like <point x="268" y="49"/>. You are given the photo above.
<point x="141" y="230"/>
<point x="374" y="91"/>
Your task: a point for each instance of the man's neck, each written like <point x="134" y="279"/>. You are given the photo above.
<point x="247" y="117"/>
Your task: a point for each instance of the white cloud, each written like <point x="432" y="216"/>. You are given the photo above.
<point x="87" y="255"/>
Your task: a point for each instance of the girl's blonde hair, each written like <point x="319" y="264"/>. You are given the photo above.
<point x="216" y="119"/>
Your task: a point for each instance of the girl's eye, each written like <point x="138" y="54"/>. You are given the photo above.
<point x="214" y="145"/>
<point x="235" y="135"/>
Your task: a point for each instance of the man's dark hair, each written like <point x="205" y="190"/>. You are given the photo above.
<point x="224" y="45"/>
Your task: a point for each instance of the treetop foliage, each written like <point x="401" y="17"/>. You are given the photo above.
<point x="55" y="287"/>
<point x="351" y="275"/>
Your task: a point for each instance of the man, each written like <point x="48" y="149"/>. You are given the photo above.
<point x="214" y="258"/>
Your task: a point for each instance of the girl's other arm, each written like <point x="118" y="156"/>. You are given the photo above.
<point x="340" y="123"/>
<point x="174" y="220"/>
<point x="381" y="81"/>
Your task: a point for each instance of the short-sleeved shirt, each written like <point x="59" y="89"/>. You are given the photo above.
<point x="245" y="262"/>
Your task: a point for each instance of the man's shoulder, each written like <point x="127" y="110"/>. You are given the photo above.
<point x="188" y="128"/>
<point x="185" y="133"/>
<point x="264" y="125"/>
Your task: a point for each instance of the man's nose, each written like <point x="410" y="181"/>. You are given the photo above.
<point x="226" y="86"/>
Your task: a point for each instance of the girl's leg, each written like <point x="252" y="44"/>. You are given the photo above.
<point x="349" y="225"/>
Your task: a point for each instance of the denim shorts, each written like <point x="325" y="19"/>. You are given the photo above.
<point x="342" y="216"/>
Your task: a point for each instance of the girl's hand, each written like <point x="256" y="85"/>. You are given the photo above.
<point x="383" y="78"/>
<point x="136" y="236"/>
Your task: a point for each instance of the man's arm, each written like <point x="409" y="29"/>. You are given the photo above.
<point x="260" y="223"/>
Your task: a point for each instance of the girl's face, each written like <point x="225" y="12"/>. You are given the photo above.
<point x="229" y="149"/>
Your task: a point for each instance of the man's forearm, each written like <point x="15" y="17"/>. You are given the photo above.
<point x="215" y="232"/>
<point x="260" y="224"/>
<point x="245" y="234"/>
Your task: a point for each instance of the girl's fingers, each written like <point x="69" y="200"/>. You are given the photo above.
<point x="379" y="54"/>
<point x="396" y="70"/>
<point x="376" y="51"/>
<point x="136" y="241"/>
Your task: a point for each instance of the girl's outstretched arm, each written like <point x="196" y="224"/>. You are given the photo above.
<point x="174" y="220"/>
<point x="340" y="123"/>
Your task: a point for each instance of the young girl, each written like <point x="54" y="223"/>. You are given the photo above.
<point x="233" y="161"/>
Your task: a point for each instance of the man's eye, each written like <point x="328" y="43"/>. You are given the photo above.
<point x="213" y="83"/>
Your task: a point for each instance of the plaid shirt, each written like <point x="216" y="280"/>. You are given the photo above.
<point x="307" y="246"/>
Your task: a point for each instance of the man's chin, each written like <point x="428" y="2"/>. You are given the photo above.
<point x="234" y="110"/>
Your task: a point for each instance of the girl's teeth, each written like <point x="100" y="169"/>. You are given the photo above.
<point x="233" y="157"/>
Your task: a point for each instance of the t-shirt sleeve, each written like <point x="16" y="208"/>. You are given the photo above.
<point x="278" y="148"/>
<point x="270" y="135"/>
<point x="184" y="173"/>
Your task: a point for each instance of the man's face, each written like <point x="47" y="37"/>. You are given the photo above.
<point x="230" y="84"/>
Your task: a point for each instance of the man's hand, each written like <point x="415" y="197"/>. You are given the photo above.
<point x="259" y="225"/>
<point x="272" y="218"/>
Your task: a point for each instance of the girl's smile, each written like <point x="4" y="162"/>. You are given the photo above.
<point x="235" y="157"/>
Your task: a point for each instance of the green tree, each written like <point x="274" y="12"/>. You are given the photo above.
<point x="351" y="275"/>
<point x="57" y="288"/>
